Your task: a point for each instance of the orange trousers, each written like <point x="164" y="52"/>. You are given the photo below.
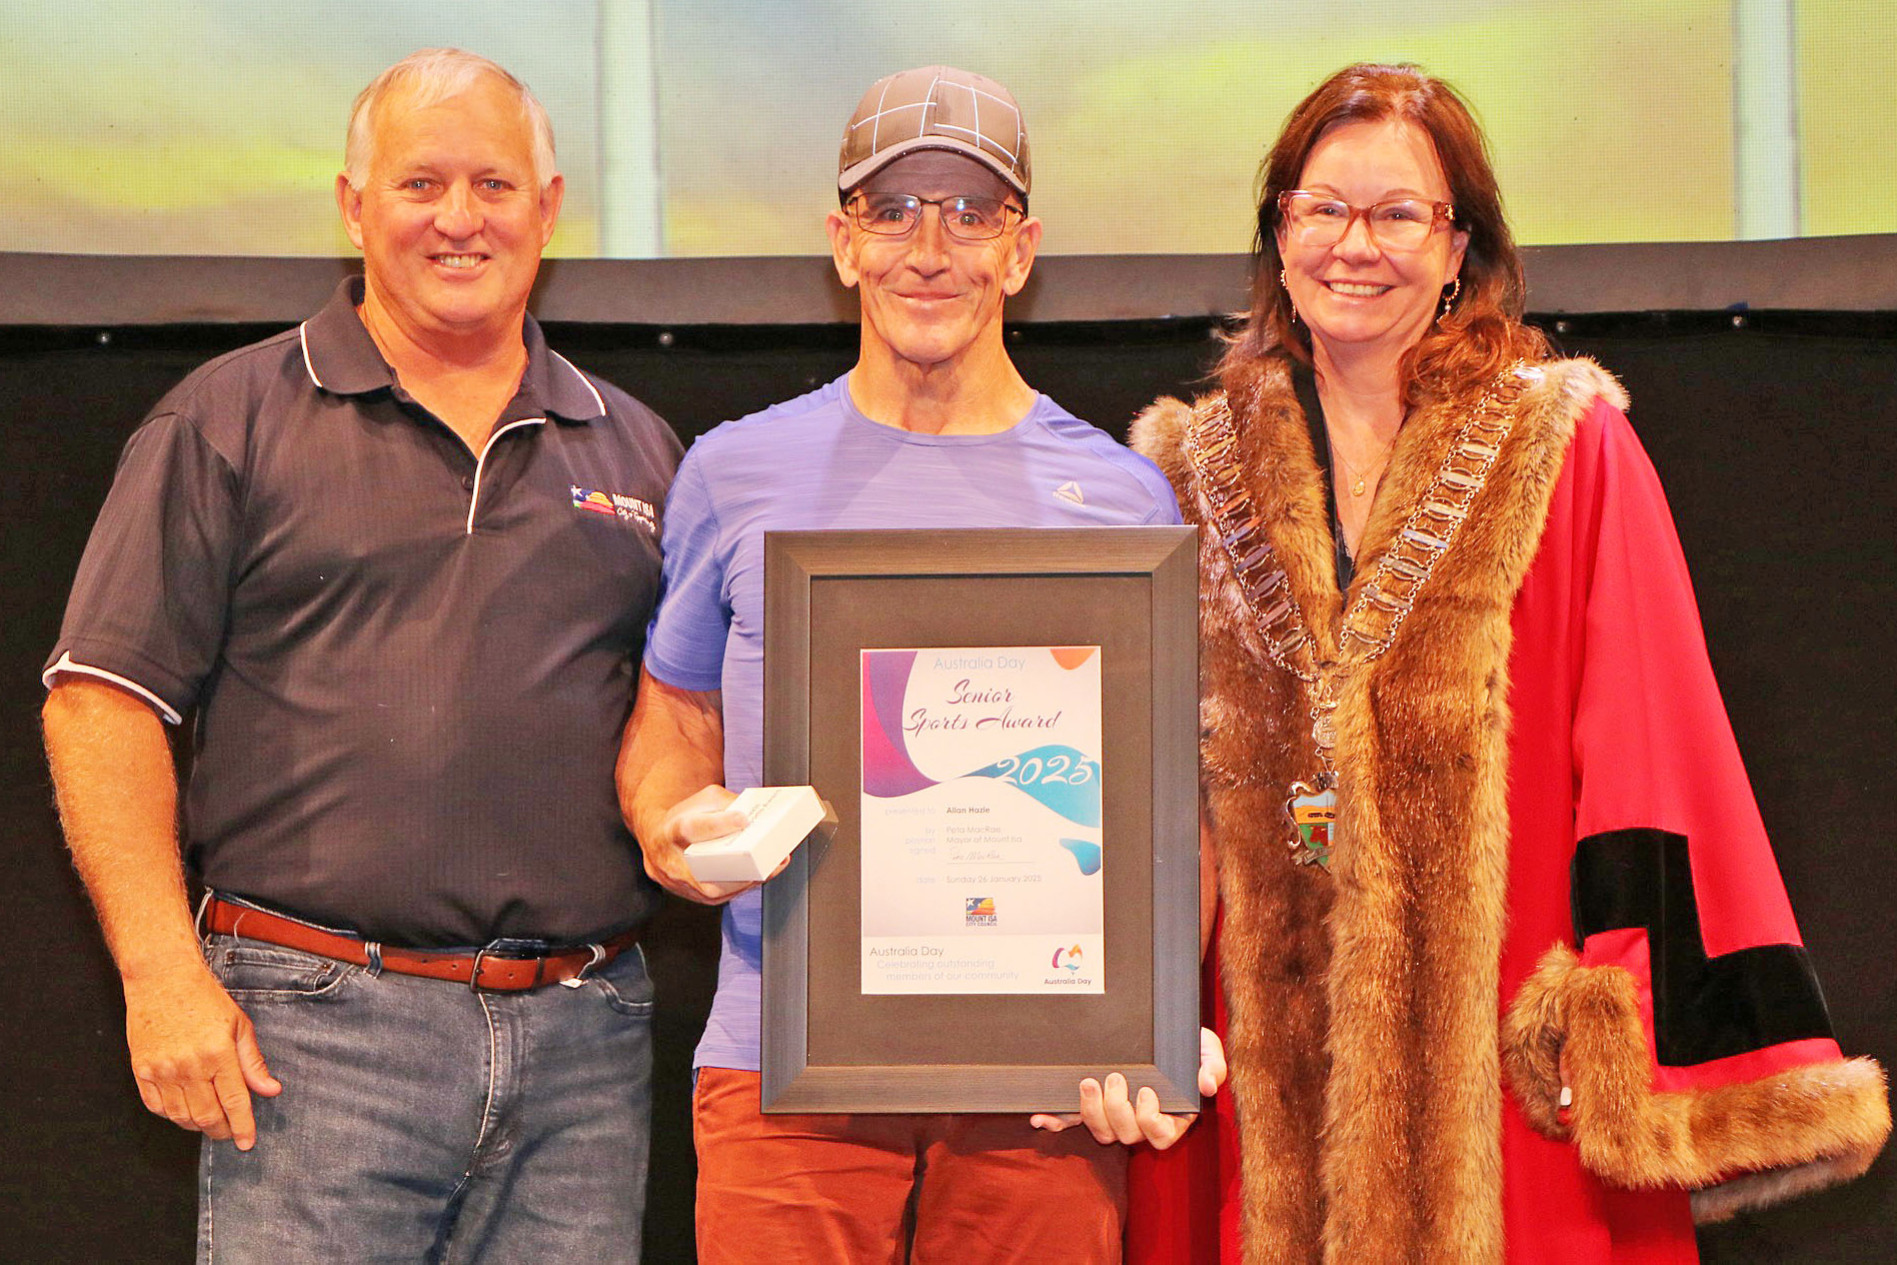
<point x="896" y="1189"/>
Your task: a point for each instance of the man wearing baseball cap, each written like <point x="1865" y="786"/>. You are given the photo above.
<point x="933" y="427"/>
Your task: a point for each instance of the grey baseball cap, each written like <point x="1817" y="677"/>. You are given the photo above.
<point x="935" y="107"/>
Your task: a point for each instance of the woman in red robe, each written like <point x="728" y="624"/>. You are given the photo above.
<point x="1506" y="968"/>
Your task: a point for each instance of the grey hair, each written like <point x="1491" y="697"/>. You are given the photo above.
<point x="431" y="76"/>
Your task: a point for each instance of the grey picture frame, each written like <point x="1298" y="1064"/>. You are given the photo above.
<point x="1131" y="590"/>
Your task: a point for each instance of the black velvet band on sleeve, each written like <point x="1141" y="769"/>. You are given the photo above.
<point x="1703" y="1008"/>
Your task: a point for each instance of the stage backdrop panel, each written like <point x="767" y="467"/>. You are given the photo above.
<point x="1775" y="436"/>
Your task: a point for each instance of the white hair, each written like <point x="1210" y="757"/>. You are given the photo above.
<point x="431" y="76"/>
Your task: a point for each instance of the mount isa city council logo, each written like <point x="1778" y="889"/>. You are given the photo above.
<point x="1068" y="958"/>
<point x="627" y="509"/>
<point x="979" y="911"/>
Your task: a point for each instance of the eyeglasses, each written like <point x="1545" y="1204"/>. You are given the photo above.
<point x="1402" y="224"/>
<point x="968" y="219"/>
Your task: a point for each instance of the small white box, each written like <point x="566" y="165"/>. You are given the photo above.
<point x="781" y="818"/>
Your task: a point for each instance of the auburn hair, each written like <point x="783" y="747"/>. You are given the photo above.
<point x="1482" y="332"/>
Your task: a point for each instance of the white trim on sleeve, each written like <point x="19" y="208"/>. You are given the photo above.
<point x="66" y="664"/>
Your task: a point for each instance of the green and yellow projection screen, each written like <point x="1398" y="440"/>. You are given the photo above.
<point x="705" y="129"/>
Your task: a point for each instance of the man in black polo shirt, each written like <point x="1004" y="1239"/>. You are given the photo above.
<point x="399" y="562"/>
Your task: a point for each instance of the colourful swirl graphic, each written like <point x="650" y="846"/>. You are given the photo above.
<point x="887" y="769"/>
<point x="1057" y="776"/>
<point x="1060" y="777"/>
<point x="1086" y="855"/>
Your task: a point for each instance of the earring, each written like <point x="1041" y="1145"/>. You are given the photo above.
<point x="1449" y="300"/>
<point x="1285" y="285"/>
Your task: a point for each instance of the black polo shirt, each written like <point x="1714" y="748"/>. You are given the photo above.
<point x="411" y="663"/>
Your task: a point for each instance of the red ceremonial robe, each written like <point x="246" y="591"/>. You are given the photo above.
<point x="1690" y="1030"/>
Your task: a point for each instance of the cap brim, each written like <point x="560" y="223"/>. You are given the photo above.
<point x="855" y="174"/>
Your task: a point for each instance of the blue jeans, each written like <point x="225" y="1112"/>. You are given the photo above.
<point x="422" y="1121"/>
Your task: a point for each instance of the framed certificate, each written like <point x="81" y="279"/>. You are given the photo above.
<point x="1006" y="725"/>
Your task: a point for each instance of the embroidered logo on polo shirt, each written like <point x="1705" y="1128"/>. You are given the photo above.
<point x="627" y="509"/>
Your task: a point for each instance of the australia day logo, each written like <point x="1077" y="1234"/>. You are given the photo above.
<point x="979" y="911"/>
<point x="1068" y="958"/>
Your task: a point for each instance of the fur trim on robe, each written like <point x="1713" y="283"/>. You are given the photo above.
<point x="1736" y="1147"/>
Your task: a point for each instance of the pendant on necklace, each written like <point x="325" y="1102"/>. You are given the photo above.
<point x="1324" y="730"/>
<point x="1313" y="813"/>
<point x="1356" y="489"/>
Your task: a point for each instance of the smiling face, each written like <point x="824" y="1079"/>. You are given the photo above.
<point x="1359" y="298"/>
<point x="450" y="218"/>
<point x="928" y="298"/>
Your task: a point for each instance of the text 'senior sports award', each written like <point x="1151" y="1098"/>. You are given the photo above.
<point x="981" y="840"/>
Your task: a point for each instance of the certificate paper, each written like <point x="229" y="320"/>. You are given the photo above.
<point x="981" y="840"/>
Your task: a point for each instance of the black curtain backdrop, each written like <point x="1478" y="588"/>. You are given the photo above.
<point x="1774" y="433"/>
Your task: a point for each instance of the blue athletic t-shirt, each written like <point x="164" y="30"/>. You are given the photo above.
<point x="815" y="463"/>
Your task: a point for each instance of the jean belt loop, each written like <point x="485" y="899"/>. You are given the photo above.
<point x="474" y="972"/>
<point x="578" y="981"/>
<point x="372" y="949"/>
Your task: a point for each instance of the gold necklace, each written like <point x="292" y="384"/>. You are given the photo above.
<point x="1361" y="481"/>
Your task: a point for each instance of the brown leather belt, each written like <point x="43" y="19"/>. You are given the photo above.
<point x="480" y="969"/>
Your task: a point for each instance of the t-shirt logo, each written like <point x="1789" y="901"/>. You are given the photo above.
<point x="1070" y="491"/>
<point x="627" y="509"/>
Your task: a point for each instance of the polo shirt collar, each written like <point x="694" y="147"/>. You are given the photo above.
<point x="342" y="359"/>
<point x="552" y="385"/>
